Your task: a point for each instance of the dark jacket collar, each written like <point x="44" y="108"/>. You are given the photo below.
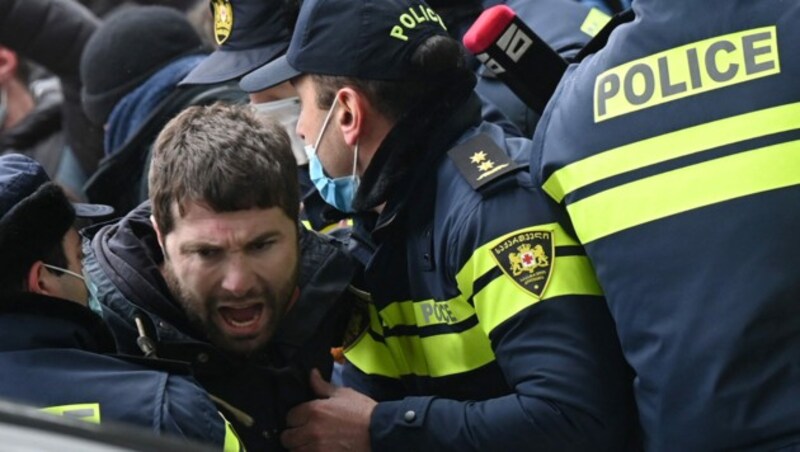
<point x="131" y="257"/>
<point x="424" y="129"/>
<point x="32" y="321"/>
<point x="407" y="161"/>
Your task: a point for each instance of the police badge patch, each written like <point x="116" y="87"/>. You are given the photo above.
<point x="528" y="258"/>
<point x="223" y="20"/>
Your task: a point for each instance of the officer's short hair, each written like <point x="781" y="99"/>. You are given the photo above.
<point x="14" y="277"/>
<point x="435" y="60"/>
<point x="225" y="157"/>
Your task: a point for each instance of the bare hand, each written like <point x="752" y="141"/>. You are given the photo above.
<point x="338" y="421"/>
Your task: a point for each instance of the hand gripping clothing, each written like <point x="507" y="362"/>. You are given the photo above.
<point x="487" y="330"/>
<point x="675" y="152"/>
<point x="55" y="357"/>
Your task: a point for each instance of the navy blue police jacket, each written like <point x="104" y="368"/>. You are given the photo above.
<point x="675" y="152"/>
<point x="123" y="260"/>
<point x="54" y="356"/>
<point x="486" y="328"/>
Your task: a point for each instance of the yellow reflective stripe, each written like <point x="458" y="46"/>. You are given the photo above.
<point x="375" y="321"/>
<point x="458" y="352"/>
<point x="442" y="354"/>
<point x="88" y="412"/>
<point x="334" y="226"/>
<point x="232" y="441"/>
<point x="677" y="191"/>
<point x="426" y="312"/>
<point x="435" y="356"/>
<point x="370" y="356"/>
<point x="328" y="228"/>
<point x="671" y="145"/>
<point x="482" y="261"/>
<point x="502" y="299"/>
<point x="594" y="22"/>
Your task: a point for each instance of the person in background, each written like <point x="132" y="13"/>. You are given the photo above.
<point x="43" y="41"/>
<point x="130" y="70"/>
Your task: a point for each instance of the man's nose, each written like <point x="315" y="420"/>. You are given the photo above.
<point x="239" y="278"/>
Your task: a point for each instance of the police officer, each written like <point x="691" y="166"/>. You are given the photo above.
<point x="215" y="271"/>
<point x="250" y="34"/>
<point x="674" y="152"/>
<point x="53" y="349"/>
<point x="486" y="329"/>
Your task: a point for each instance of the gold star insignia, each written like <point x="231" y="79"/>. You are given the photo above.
<point x="486" y="166"/>
<point x="478" y="157"/>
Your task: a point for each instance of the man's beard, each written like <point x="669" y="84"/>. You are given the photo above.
<point x="199" y="312"/>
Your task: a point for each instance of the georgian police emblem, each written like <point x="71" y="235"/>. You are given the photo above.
<point x="223" y="20"/>
<point x="527" y="257"/>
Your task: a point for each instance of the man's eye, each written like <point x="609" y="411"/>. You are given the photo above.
<point x="207" y="253"/>
<point x="263" y="245"/>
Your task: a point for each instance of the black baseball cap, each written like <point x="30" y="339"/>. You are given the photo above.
<point x="366" y="39"/>
<point x="21" y="177"/>
<point x="250" y="33"/>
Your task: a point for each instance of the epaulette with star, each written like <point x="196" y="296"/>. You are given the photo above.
<point x="481" y="161"/>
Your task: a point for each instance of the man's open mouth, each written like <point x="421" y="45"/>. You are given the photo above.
<point x="242" y="320"/>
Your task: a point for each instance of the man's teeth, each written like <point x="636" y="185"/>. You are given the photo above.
<point x="246" y="323"/>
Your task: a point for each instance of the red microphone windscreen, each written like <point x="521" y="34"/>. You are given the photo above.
<point x="487" y="29"/>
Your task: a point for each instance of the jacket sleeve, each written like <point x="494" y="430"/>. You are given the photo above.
<point x="572" y="389"/>
<point x="186" y="411"/>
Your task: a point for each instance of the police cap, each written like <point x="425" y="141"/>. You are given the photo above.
<point x="250" y="33"/>
<point x="366" y="39"/>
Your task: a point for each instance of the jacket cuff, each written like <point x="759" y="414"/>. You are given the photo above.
<point x="397" y="425"/>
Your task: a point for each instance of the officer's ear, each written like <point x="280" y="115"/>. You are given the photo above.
<point x="39" y="280"/>
<point x="351" y="114"/>
<point x="8" y="64"/>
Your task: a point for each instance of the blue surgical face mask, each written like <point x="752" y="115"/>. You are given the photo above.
<point x="338" y="192"/>
<point x="92" y="302"/>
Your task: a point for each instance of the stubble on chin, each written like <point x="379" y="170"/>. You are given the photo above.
<point x="199" y="312"/>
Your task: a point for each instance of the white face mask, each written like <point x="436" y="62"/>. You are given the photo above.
<point x="286" y="112"/>
<point x="92" y="302"/>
